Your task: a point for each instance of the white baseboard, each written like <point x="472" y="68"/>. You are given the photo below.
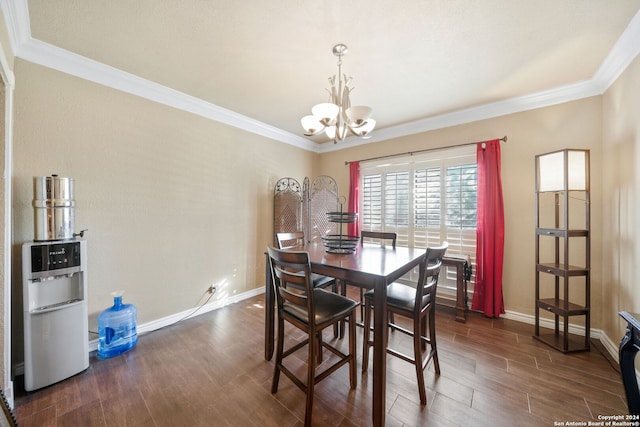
<point x="170" y="320"/>
<point x="18" y="369"/>
<point x="549" y="324"/>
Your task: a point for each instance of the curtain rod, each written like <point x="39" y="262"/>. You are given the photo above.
<point x="410" y="153"/>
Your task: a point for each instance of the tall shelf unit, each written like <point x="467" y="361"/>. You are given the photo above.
<point x="563" y="249"/>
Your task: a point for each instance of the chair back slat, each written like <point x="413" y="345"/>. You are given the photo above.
<point x="380" y="236"/>
<point x="290" y="292"/>
<point x="290" y="240"/>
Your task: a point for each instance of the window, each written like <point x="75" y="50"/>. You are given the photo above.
<point x="425" y="199"/>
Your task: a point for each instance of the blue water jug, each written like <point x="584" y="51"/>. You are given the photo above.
<point x="117" y="331"/>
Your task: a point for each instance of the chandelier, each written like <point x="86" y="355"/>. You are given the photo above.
<point x="337" y="118"/>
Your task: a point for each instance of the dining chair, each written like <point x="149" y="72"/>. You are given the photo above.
<point x="296" y="240"/>
<point x="310" y="311"/>
<point x="417" y="304"/>
<point x="287" y="241"/>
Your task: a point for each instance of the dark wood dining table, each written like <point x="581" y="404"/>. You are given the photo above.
<point x="370" y="267"/>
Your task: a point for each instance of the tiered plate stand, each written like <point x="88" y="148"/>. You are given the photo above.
<point x="341" y="243"/>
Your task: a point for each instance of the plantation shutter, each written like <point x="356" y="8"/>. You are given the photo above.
<point x="425" y="199"/>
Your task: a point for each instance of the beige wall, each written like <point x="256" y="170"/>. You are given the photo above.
<point x="621" y="199"/>
<point x="570" y="125"/>
<point x="173" y="202"/>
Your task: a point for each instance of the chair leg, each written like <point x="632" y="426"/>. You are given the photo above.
<point x="319" y="349"/>
<point x="417" y="356"/>
<point x="338" y="287"/>
<point x="353" y="365"/>
<point x="340" y="326"/>
<point x="311" y="380"/>
<point x="423" y="332"/>
<point x="366" y="333"/>
<point x="432" y="339"/>
<point x="278" y="361"/>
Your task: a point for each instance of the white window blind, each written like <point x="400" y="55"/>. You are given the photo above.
<point x="425" y="199"/>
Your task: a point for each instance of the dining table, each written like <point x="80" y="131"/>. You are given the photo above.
<point x="370" y="267"/>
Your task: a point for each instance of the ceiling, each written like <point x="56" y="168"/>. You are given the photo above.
<point x="417" y="63"/>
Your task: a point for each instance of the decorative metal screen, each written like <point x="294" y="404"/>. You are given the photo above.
<point x="305" y="208"/>
<point x="287" y="207"/>
<point x="322" y="197"/>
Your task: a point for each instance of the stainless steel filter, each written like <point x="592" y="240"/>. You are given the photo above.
<point x="53" y="208"/>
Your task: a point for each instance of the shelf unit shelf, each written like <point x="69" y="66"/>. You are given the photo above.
<point x="574" y="343"/>
<point x="562" y="179"/>
<point x="557" y="306"/>
<point x="561" y="269"/>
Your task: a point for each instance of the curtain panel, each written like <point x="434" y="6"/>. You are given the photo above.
<point x="353" y="229"/>
<point x="490" y="231"/>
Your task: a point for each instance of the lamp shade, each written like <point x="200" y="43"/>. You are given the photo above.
<point x="563" y="170"/>
<point x="331" y="132"/>
<point x="326" y="112"/>
<point x="364" y="130"/>
<point x="358" y="114"/>
<point x="311" y="125"/>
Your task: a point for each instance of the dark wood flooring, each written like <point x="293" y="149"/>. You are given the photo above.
<point x="210" y="371"/>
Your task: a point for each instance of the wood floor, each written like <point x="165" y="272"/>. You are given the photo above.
<point x="210" y="371"/>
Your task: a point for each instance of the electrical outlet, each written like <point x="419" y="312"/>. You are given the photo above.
<point x="211" y="289"/>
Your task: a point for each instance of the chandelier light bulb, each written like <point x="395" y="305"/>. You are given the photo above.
<point x="337" y="118"/>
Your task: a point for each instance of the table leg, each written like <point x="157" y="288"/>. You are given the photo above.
<point x="269" y="307"/>
<point x="628" y="352"/>
<point x="461" y="264"/>
<point x="380" y="336"/>
<point x="461" y="314"/>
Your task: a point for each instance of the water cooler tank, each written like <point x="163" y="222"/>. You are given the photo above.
<point x="56" y="344"/>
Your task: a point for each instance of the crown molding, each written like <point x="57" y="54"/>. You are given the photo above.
<point x="50" y="56"/>
<point x="16" y="19"/>
<point x="518" y="104"/>
<point x="25" y="47"/>
<point x="622" y="54"/>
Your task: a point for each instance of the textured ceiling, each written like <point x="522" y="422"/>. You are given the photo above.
<point x="409" y="59"/>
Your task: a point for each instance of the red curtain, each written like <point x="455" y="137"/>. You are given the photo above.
<point x="353" y="229"/>
<point x="490" y="232"/>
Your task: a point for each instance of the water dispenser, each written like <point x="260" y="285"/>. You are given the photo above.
<point x="56" y="344"/>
